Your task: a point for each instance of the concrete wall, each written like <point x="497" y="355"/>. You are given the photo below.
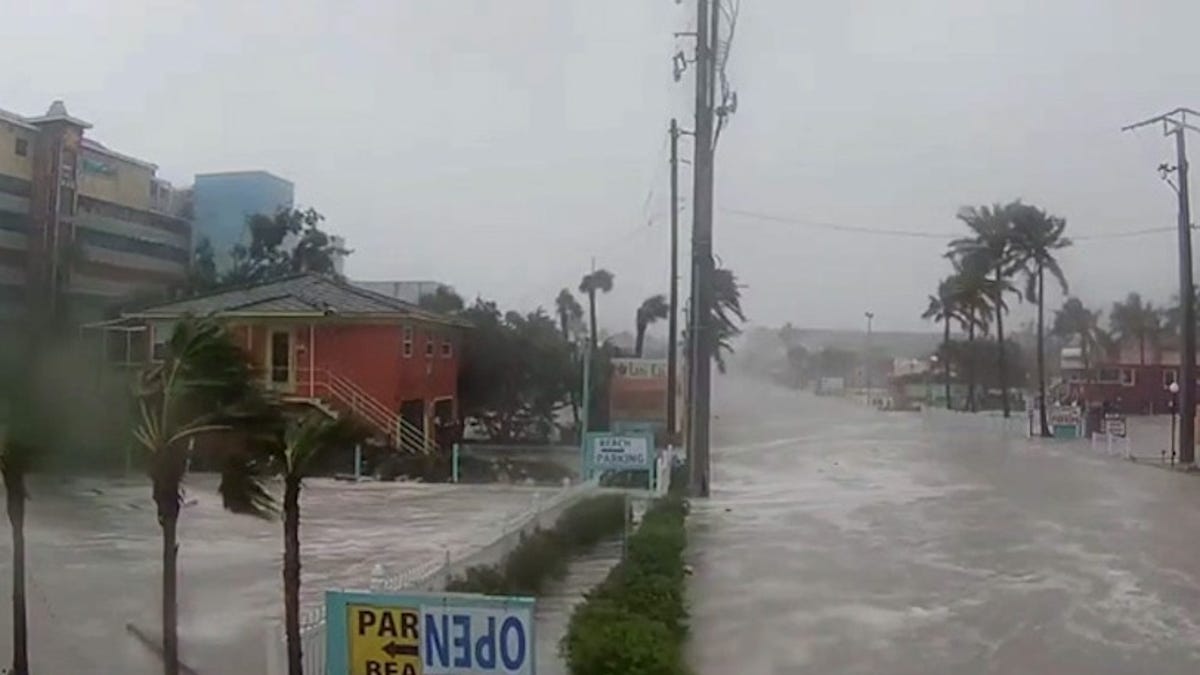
<point x="12" y="164"/>
<point x="112" y="179"/>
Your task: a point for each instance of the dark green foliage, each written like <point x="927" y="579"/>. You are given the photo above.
<point x="267" y="257"/>
<point x="634" y="623"/>
<point x="543" y="555"/>
<point x="517" y="372"/>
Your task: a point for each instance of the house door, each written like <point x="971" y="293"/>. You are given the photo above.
<point x="280" y="365"/>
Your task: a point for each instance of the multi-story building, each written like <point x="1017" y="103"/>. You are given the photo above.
<point x="82" y="224"/>
<point x="223" y="202"/>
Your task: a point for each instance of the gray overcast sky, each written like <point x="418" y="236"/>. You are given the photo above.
<point x="499" y="144"/>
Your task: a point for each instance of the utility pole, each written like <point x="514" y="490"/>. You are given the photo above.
<point x="1176" y="123"/>
<point x="707" y="14"/>
<point x="672" y="320"/>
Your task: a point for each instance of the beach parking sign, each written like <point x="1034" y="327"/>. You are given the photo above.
<point x="428" y="634"/>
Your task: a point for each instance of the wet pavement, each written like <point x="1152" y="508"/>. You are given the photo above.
<point x="845" y="540"/>
<point x="94" y="564"/>
<point x="554" y="607"/>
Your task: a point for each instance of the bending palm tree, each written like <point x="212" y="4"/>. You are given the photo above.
<point x="943" y="307"/>
<point x="1076" y="321"/>
<point x="653" y="308"/>
<point x="598" y="281"/>
<point x="202" y="385"/>
<point x="1134" y="320"/>
<point x="992" y="245"/>
<point x="726" y="317"/>
<point x="304" y="444"/>
<point x="569" y="312"/>
<point x="973" y="292"/>
<point x="1035" y="238"/>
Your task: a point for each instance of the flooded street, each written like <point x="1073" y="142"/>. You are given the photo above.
<point x="844" y="540"/>
<point x="554" y="608"/>
<point x="94" y="564"/>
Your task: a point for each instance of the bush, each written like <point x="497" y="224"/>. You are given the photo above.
<point x="543" y="554"/>
<point x="634" y="622"/>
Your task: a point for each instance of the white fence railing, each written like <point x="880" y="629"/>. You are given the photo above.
<point x="429" y="575"/>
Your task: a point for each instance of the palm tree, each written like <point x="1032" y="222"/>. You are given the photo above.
<point x="654" y="308"/>
<point x="600" y="280"/>
<point x="1135" y="320"/>
<point x="943" y="307"/>
<point x="725" y="318"/>
<point x="727" y="314"/>
<point x="1035" y="238"/>
<point x="973" y="292"/>
<point x="569" y="312"/>
<point x="202" y="385"/>
<point x="992" y="244"/>
<point x="304" y="444"/>
<point x="1076" y="321"/>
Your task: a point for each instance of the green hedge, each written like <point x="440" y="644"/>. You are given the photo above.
<point x="543" y="554"/>
<point x="634" y="623"/>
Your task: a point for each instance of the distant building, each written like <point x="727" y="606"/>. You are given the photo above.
<point x="223" y="202"/>
<point x="1131" y="380"/>
<point x="80" y="223"/>
<point x="339" y="259"/>
<point x="408" y="291"/>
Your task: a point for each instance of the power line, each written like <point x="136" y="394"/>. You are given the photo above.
<point x="917" y="234"/>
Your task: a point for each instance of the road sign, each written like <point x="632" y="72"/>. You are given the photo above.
<point x="428" y="634"/>
<point x="637" y="391"/>
<point x="608" y="451"/>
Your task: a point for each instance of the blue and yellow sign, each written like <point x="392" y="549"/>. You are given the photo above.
<point x="428" y="634"/>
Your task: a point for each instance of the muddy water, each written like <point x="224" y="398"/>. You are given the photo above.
<point x="94" y="553"/>
<point x="843" y="540"/>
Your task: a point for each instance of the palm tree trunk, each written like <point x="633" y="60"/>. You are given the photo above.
<point x="1141" y="349"/>
<point x="641" y="339"/>
<point x="592" y="316"/>
<point x="1002" y="357"/>
<point x="166" y="497"/>
<point x="291" y="575"/>
<point x="170" y="604"/>
<point x="970" y="362"/>
<point x="14" y="486"/>
<point x="946" y="359"/>
<point x="1041" y="349"/>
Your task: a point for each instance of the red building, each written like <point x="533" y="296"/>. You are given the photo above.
<point x="1132" y="380"/>
<point x="323" y="342"/>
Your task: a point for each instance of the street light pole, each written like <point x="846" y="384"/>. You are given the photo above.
<point x="1174" y="389"/>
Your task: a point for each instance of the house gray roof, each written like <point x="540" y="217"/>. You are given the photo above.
<point x="299" y="295"/>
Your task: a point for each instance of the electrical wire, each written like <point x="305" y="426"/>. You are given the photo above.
<point x="918" y="234"/>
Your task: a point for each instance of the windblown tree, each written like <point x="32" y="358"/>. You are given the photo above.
<point x="269" y="255"/>
<point x="973" y="291"/>
<point x="727" y="315"/>
<point x="990" y="247"/>
<point x="444" y="300"/>
<point x="1076" y="322"/>
<point x="202" y="386"/>
<point x="598" y="281"/>
<point x="652" y="309"/>
<point x="569" y="312"/>
<point x="1137" y="322"/>
<point x="1036" y="238"/>
<point x="517" y="371"/>
<point x="943" y="307"/>
<point x="304" y="444"/>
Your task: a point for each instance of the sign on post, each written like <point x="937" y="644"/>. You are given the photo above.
<point x="428" y="634"/>
<point x="638" y="392"/>
<point x="618" y="452"/>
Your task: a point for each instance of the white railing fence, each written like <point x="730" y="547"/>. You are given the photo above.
<point x="429" y="575"/>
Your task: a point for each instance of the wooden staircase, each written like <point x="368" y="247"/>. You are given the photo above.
<point x="336" y="395"/>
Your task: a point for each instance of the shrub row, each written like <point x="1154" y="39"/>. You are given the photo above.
<point x="543" y="554"/>
<point x="634" y="622"/>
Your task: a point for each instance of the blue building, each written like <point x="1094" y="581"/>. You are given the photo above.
<point x="223" y="201"/>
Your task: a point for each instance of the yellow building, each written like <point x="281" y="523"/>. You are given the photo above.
<point x="81" y="225"/>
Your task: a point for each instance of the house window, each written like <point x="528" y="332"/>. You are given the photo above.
<point x="428" y="346"/>
<point x="447" y="349"/>
<point x="408" y="342"/>
<point x="22" y="148"/>
<point x="162" y="335"/>
<point x="1170" y="377"/>
<point x="1108" y="375"/>
<point x="1128" y="377"/>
